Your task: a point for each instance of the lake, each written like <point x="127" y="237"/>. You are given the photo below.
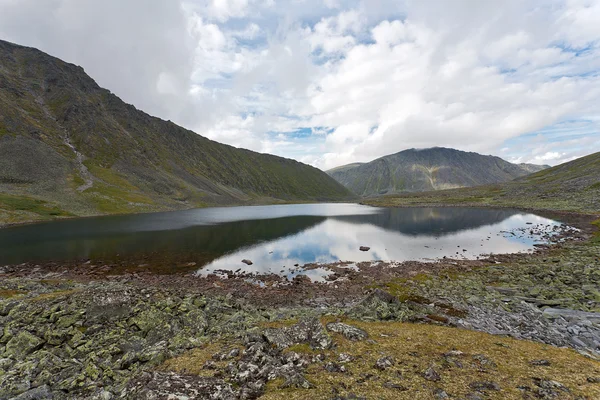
<point x="278" y="238"/>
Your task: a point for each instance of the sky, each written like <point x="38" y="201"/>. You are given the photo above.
<point x="331" y="82"/>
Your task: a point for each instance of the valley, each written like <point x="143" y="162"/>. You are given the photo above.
<point x="206" y="271"/>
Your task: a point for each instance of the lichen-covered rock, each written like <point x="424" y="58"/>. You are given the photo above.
<point x="380" y="306"/>
<point x="22" y="344"/>
<point x="384" y="363"/>
<point x="432" y="375"/>
<point x="38" y="393"/>
<point x="160" y="385"/>
<point x="348" y="331"/>
<point x="308" y="331"/>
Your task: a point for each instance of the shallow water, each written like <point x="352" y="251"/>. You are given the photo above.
<point x="276" y="238"/>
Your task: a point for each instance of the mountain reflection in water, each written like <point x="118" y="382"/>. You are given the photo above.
<point x="273" y="237"/>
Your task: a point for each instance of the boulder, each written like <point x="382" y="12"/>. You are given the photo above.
<point x="348" y="331"/>
<point x="22" y="344"/>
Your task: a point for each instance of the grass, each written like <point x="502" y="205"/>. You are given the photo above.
<point x="10" y="293"/>
<point x="55" y="295"/>
<point x="416" y="347"/>
<point x="41" y="208"/>
<point x="193" y="361"/>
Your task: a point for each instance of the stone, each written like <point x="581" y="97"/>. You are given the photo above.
<point x="297" y="381"/>
<point x="432" y="375"/>
<point x="348" y="331"/>
<point x="22" y="344"/>
<point x="308" y="331"/>
<point x="484" y="362"/>
<point x="539" y="363"/>
<point x="345" y="358"/>
<point x="39" y="393"/>
<point x="484" y="386"/>
<point x="364" y="248"/>
<point x="395" y="386"/>
<point x="384" y="363"/>
<point x="553" y="313"/>
<point x="247" y="262"/>
<point x="334" y="367"/>
<point x="547" y="389"/>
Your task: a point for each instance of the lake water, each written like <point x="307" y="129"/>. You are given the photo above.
<point x="277" y="238"/>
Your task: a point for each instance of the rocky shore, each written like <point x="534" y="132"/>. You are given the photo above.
<point x="513" y="326"/>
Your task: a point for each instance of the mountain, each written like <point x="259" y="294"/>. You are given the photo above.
<point x="70" y="147"/>
<point x="572" y="186"/>
<point x="427" y="169"/>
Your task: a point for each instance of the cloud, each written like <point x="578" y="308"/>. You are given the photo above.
<point x="360" y="79"/>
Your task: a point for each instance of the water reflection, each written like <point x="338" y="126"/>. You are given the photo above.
<point x="275" y="238"/>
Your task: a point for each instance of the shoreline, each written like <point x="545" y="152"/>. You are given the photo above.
<point x="135" y="333"/>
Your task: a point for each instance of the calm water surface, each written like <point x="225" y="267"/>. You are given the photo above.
<point x="276" y="238"/>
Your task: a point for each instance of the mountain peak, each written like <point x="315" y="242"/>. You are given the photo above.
<point x="435" y="168"/>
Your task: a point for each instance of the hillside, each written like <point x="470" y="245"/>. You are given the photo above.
<point x="572" y="186"/>
<point x="70" y="147"/>
<point x="428" y="169"/>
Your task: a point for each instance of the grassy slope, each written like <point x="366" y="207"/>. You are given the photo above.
<point x="137" y="162"/>
<point x="573" y="186"/>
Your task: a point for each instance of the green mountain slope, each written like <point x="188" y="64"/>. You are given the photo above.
<point x="428" y="169"/>
<point x="67" y="146"/>
<point x="572" y="186"/>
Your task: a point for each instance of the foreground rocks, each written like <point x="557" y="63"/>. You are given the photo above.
<point x="92" y="338"/>
<point x="112" y="338"/>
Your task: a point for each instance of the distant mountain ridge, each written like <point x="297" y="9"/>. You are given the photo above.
<point x="419" y="170"/>
<point x="70" y="147"/>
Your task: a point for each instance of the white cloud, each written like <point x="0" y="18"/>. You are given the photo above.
<point x="359" y="78"/>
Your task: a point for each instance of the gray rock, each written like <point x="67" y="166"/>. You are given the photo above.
<point x="540" y="363"/>
<point x="297" y="381"/>
<point x="307" y="331"/>
<point x="395" y="386"/>
<point x="384" y="363"/>
<point x="348" y="331"/>
<point x="431" y="375"/>
<point x="567" y="313"/>
<point x="22" y="344"/>
<point x="484" y="386"/>
<point x="39" y="393"/>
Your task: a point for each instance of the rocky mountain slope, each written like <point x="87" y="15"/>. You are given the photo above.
<point x="572" y="186"/>
<point x="68" y="146"/>
<point x="428" y="169"/>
